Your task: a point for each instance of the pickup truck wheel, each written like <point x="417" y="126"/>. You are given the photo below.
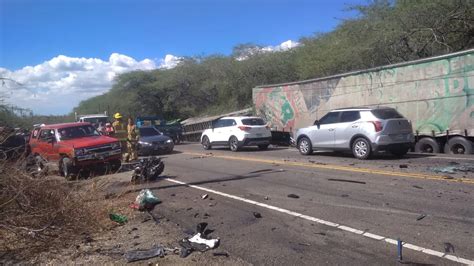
<point x="115" y="165"/>
<point x="66" y="168"/>
<point x="304" y="146"/>
<point x="361" y="149"/>
<point x="427" y="145"/>
<point x="234" y="144"/>
<point x="206" y="144"/>
<point x="41" y="167"/>
<point x="458" y="145"/>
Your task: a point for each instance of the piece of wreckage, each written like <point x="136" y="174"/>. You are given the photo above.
<point x="148" y="169"/>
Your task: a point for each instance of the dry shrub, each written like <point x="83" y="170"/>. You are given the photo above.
<point x="44" y="214"/>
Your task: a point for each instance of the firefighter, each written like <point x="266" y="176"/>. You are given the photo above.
<point x="132" y="140"/>
<point x="120" y="133"/>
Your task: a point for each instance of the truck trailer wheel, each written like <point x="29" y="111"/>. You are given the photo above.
<point x="427" y="145"/>
<point x="458" y="145"/>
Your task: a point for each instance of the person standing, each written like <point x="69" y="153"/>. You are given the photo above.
<point x="120" y="133"/>
<point x="132" y="140"/>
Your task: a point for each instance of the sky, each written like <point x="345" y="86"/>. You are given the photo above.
<point x="60" y="52"/>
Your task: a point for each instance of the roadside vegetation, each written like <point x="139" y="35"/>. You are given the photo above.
<point x="384" y="32"/>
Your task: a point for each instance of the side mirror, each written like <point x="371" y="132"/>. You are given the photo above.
<point x="316" y="123"/>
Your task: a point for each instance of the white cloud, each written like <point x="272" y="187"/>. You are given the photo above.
<point x="170" y="61"/>
<point x="57" y="85"/>
<point x="284" y="46"/>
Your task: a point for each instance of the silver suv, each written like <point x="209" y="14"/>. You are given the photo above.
<point x="360" y="130"/>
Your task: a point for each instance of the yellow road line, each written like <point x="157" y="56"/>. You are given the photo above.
<point x="337" y="167"/>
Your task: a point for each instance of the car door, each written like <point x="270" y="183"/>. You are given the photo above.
<point x="322" y="133"/>
<point x="219" y="131"/>
<point x="45" y="147"/>
<point x="347" y="127"/>
<point x="225" y="130"/>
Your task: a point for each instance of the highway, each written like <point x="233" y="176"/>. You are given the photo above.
<point x="279" y="207"/>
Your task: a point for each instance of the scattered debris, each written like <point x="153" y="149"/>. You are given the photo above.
<point x="453" y="168"/>
<point x="143" y="254"/>
<point x="421" y="217"/>
<point x="344" y="195"/>
<point x="204" y="196"/>
<point x="211" y="204"/>
<point x="199" y="241"/>
<point x="346" y="180"/>
<point x="257" y="215"/>
<point x="145" y="201"/>
<point x="294" y="196"/>
<point x="266" y="197"/>
<point x="224" y="254"/>
<point x="120" y="219"/>
<point x="403" y="166"/>
<point x="448" y="177"/>
<point x="418" y="187"/>
<point x="448" y="247"/>
<point x="304" y="244"/>
<point x="320" y="233"/>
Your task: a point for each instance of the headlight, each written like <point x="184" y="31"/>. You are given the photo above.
<point x="79" y="152"/>
<point x="144" y="143"/>
<point x="169" y="141"/>
<point x="115" y="145"/>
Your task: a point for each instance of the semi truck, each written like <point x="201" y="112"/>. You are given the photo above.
<point x="436" y="94"/>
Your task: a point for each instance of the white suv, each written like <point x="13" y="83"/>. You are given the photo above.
<point x="236" y="132"/>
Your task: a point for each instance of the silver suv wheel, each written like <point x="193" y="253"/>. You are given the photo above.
<point x="361" y="149"/>
<point x="304" y="146"/>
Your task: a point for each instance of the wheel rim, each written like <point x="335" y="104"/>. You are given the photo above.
<point x="205" y="142"/>
<point x="361" y="148"/>
<point x="427" y="148"/>
<point x="304" y="146"/>
<point x="233" y="144"/>
<point x="458" y="149"/>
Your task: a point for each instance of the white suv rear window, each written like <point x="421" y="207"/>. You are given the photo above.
<point x="253" y="122"/>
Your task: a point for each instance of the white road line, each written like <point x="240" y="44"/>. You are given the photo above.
<point x="331" y="224"/>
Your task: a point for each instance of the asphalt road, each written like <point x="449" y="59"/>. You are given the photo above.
<point x="346" y="211"/>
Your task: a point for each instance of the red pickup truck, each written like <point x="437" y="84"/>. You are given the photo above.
<point x="73" y="146"/>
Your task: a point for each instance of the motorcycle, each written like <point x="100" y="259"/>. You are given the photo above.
<point x="148" y="169"/>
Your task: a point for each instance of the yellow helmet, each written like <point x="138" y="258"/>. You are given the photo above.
<point x="117" y="116"/>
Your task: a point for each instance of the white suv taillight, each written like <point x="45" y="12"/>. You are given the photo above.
<point x="378" y="125"/>
<point x="244" y="128"/>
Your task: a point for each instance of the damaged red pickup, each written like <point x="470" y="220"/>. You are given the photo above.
<point x="73" y="146"/>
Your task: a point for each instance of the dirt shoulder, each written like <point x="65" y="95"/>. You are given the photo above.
<point x="109" y="244"/>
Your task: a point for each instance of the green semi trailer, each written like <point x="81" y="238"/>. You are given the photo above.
<point x="436" y="94"/>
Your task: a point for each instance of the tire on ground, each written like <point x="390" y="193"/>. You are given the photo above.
<point x="234" y="144"/>
<point x="66" y="168"/>
<point x="361" y="149"/>
<point x="459" y="145"/>
<point x="206" y="144"/>
<point x="427" y="145"/>
<point x="304" y="146"/>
